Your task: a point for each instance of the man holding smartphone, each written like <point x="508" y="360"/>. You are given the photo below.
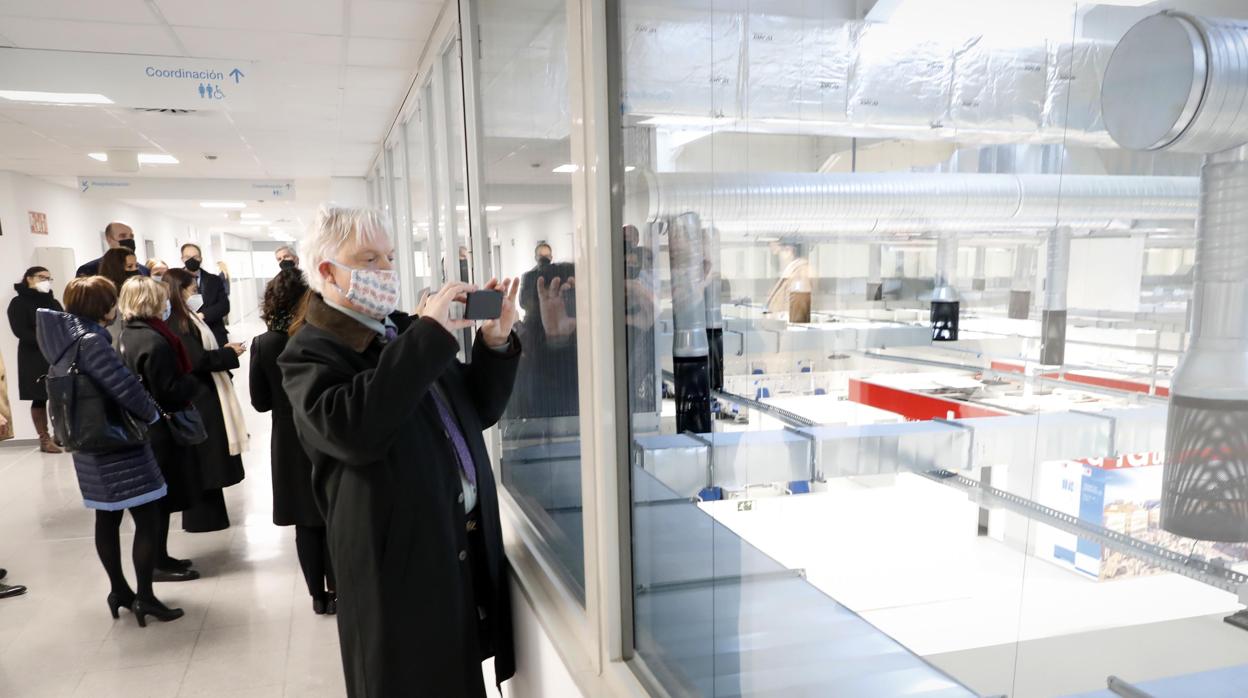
<point x="392" y="422"/>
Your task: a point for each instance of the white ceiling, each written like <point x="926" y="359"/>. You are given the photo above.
<point x="340" y="68"/>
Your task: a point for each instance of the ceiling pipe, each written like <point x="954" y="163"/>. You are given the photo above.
<point x="1180" y="82"/>
<point x="690" y="349"/>
<point x="819" y="203"/>
<point x="714" y="307"/>
<point x="1024" y="279"/>
<point x="1053" y="317"/>
<point x="945" y="299"/>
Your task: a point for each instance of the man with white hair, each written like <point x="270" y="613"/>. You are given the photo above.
<point x="392" y="422"/>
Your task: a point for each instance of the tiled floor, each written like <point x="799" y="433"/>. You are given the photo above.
<point x="249" y="630"/>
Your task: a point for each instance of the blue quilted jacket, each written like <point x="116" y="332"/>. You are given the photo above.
<point x="119" y="479"/>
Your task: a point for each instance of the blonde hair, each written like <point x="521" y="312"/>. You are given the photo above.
<point x="335" y="226"/>
<point x="141" y="297"/>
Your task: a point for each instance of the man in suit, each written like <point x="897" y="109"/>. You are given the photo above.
<point x="215" y="306"/>
<point x="286" y="257"/>
<point x="116" y="234"/>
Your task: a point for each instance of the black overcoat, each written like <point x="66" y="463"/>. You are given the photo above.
<point x="293" y="504"/>
<point x="152" y="358"/>
<point x="385" y="475"/>
<point x="31" y="366"/>
<point x="217" y="467"/>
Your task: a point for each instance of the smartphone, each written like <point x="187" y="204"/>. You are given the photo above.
<point x="483" y="305"/>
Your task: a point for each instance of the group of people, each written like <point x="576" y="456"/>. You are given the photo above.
<point x="377" y="449"/>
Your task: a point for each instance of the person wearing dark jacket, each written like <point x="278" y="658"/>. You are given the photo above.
<point x="157" y="356"/>
<point x="220" y="457"/>
<point x="34" y="291"/>
<point x="293" y="503"/>
<point x="116" y="234"/>
<point x="392" y="423"/>
<point x="212" y="303"/>
<point x="119" y="479"/>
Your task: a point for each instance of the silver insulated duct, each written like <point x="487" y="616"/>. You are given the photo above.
<point x="1020" y="287"/>
<point x="945" y="298"/>
<point x="713" y="281"/>
<point x="815" y="202"/>
<point x="1180" y="82"/>
<point x="1053" y="318"/>
<point x="690" y="349"/>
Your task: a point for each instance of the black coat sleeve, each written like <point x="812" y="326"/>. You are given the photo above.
<point x="203" y="360"/>
<point x="354" y="417"/>
<point x="22" y="320"/>
<point x="491" y="376"/>
<point x="216" y="300"/>
<point x="261" y="396"/>
<point x="172" y="388"/>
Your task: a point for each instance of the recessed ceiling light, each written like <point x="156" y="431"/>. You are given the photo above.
<point x="144" y="158"/>
<point x="461" y="207"/>
<point x="564" y="169"/>
<point x="251" y="215"/>
<point x="629" y="168"/>
<point x="222" y="204"/>
<point x="493" y="208"/>
<point x="258" y="223"/>
<point x="55" y="97"/>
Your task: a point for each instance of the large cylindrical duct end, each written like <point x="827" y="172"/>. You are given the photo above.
<point x="690" y="348"/>
<point x="714" y="306"/>
<point x="1179" y="82"/>
<point x="1205" y="487"/>
<point x="1053" y="319"/>
<point x="979" y="280"/>
<point x="946" y="306"/>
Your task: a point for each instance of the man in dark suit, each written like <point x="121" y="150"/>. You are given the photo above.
<point x="116" y="234"/>
<point x="216" y="304"/>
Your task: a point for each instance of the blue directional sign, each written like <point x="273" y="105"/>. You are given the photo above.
<point x="237" y="75"/>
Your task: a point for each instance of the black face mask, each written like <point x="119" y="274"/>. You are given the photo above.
<point x="192" y="265"/>
<point x="543" y="261"/>
<point x="128" y="244"/>
<point x="287" y="264"/>
<point x="132" y="273"/>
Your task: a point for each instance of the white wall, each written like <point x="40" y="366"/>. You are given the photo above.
<point x="1105" y="274"/>
<point x="540" y="671"/>
<point x="75" y="223"/>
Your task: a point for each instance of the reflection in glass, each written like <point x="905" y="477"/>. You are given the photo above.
<point x="528" y="212"/>
<point x="905" y="301"/>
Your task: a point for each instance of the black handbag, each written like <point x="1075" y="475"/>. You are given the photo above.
<point x="87" y="420"/>
<point x="187" y="426"/>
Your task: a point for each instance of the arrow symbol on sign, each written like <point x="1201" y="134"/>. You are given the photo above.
<point x="237" y="75"/>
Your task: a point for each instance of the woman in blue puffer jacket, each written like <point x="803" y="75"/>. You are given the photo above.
<point x="114" y="481"/>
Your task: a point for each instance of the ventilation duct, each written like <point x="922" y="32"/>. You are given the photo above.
<point x="1179" y="82"/>
<point x="945" y="298"/>
<point x="1053" y="318"/>
<point x="979" y="280"/>
<point x="690" y="349"/>
<point x="875" y="277"/>
<point x="1020" y="287"/>
<point x="713" y="281"/>
<point x="821" y="203"/>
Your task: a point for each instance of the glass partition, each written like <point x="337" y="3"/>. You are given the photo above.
<point x="528" y="211"/>
<point x="902" y="314"/>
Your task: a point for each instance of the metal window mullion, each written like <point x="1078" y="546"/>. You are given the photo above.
<point x="474" y="140"/>
<point x="403" y="248"/>
<point x="437" y="275"/>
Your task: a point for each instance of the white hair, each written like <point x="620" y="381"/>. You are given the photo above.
<point x="335" y="226"/>
<point x="285" y="248"/>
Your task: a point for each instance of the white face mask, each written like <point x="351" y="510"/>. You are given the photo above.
<point x="195" y="302"/>
<point x="44" y="286"/>
<point x="164" y="315"/>
<point x="374" y="291"/>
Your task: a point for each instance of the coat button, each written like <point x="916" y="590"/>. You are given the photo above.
<point x="460" y="499"/>
<point x="463" y="555"/>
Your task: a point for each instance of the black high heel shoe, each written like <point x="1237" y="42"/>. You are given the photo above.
<point x="173" y="564"/>
<point x="319" y="601"/>
<point x="115" y="602"/>
<point x="142" y="609"/>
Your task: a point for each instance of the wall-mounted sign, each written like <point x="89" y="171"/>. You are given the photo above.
<point x="134" y="81"/>
<point x="38" y="222"/>
<point x="187" y="188"/>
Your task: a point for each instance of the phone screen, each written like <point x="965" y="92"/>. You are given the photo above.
<point x="483" y="305"/>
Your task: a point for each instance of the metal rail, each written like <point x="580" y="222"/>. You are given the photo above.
<point x="789" y="418"/>
<point x="1213" y="574"/>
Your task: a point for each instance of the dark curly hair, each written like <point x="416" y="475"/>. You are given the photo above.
<point x="282" y="297"/>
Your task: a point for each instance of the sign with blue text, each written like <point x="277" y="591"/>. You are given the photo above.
<point x="133" y="81"/>
<point x="187" y="188"/>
